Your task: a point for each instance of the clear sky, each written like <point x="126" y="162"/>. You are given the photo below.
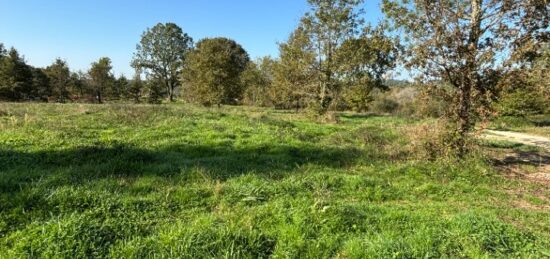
<point x="81" y="31"/>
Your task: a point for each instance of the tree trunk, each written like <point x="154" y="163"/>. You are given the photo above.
<point x="469" y="78"/>
<point x="170" y="93"/>
<point x="464" y="117"/>
<point x="325" y="99"/>
<point x="98" y="96"/>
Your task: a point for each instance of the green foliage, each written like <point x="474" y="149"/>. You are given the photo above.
<point x="356" y="98"/>
<point x="332" y="60"/>
<point x="140" y="181"/>
<point x="15" y="76"/>
<point x="526" y="91"/>
<point x="154" y="92"/>
<point x="41" y="87"/>
<point x="522" y="102"/>
<point x="257" y="79"/>
<point x="135" y="88"/>
<point x="293" y="74"/>
<point x="59" y="77"/>
<point x="161" y="54"/>
<point x="365" y="59"/>
<point x="329" y="24"/>
<point x="101" y="77"/>
<point x="455" y="43"/>
<point x="119" y="87"/>
<point x="212" y="74"/>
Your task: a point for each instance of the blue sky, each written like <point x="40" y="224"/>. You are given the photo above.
<point x="81" y="31"/>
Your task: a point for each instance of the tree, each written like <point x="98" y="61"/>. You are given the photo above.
<point x="101" y="77"/>
<point x="135" y="88"/>
<point x="59" y="77"/>
<point x="363" y="61"/>
<point x="161" y="54"/>
<point x="213" y="71"/>
<point x="329" y="24"/>
<point x="333" y="53"/>
<point x="464" y="44"/>
<point x="294" y="75"/>
<point x="154" y="94"/>
<point x="2" y="50"/>
<point x="79" y="85"/>
<point x="119" y="87"/>
<point x="41" y="88"/>
<point x="15" y="76"/>
<point x="257" y="80"/>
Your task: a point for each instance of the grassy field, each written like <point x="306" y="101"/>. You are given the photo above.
<point x="176" y="180"/>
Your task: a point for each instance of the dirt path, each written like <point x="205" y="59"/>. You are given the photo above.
<point x="517" y="137"/>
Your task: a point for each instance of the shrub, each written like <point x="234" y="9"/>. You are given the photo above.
<point x="522" y="102"/>
<point x="385" y="105"/>
<point x="433" y="140"/>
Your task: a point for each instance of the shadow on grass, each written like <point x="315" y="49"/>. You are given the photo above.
<point x="220" y="162"/>
<point x="542" y="123"/>
<point x="524" y="158"/>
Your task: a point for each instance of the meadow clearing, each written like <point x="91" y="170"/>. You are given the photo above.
<point x="117" y="180"/>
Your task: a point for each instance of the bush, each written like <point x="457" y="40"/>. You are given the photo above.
<point x="385" y="105"/>
<point x="522" y="102"/>
<point x="433" y="140"/>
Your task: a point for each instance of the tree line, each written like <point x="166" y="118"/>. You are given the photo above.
<point x="473" y="54"/>
<point x="331" y="61"/>
<point x="20" y="81"/>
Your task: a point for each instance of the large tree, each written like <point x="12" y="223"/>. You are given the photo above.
<point x="59" y="76"/>
<point x="161" y="54"/>
<point x="101" y="77"/>
<point x="329" y="24"/>
<point x="294" y="75"/>
<point x="15" y="76"/>
<point x="335" y="52"/>
<point x="463" y="44"/>
<point x="363" y="61"/>
<point x="212" y="72"/>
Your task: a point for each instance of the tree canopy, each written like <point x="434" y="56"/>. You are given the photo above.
<point x="161" y="54"/>
<point x="101" y="76"/>
<point x="212" y="72"/>
<point x="15" y="76"/>
<point x="59" y="76"/>
<point x="464" y="44"/>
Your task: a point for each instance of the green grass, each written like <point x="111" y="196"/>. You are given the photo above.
<point x="182" y="181"/>
<point x="505" y="144"/>
<point x="534" y="124"/>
